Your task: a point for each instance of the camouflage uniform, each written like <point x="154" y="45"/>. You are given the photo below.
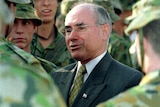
<point x="147" y="94"/>
<point x="118" y="47"/>
<point x="26" y="11"/>
<point x="21" y="82"/>
<point x="23" y="87"/>
<point x="56" y="52"/>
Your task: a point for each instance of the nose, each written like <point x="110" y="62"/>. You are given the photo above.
<point x="46" y="2"/>
<point x="73" y="35"/>
<point x="19" y="29"/>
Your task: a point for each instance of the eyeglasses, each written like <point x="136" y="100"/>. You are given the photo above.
<point x="78" y="28"/>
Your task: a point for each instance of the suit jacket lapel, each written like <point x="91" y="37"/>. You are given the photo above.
<point x="66" y="82"/>
<point x="94" y="84"/>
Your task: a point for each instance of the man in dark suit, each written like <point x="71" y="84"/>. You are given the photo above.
<point x="87" y="30"/>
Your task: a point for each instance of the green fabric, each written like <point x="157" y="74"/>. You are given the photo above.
<point x="20" y="1"/>
<point x="143" y="12"/>
<point x="26" y="11"/>
<point x="5" y="14"/>
<point x="147" y="94"/>
<point x="56" y="52"/>
<point x="11" y="53"/>
<point x="23" y="82"/>
<point x="47" y="65"/>
<point x="118" y="47"/>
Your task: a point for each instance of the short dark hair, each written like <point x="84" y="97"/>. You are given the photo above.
<point x="152" y="32"/>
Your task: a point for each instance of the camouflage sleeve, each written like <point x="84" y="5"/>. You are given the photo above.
<point x="139" y="96"/>
<point x="22" y="87"/>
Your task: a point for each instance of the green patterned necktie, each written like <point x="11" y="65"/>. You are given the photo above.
<point x="77" y="84"/>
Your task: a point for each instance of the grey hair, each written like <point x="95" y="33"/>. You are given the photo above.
<point x="102" y="17"/>
<point x="152" y="34"/>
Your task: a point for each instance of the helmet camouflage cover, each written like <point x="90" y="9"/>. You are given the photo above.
<point x="5" y="13"/>
<point x="26" y="11"/>
<point x="67" y="4"/>
<point x="20" y="1"/>
<point x="143" y="12"/>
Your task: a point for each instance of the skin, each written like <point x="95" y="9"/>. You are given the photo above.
<point x="46" y="10"/>
<point x="87" y="45"/>
<point x="151" y="58"/>
<point x="21" y="33"/>
<point x="119" y="25"/>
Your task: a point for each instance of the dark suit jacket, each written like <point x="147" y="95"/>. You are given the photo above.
<point x="107" y="79"/>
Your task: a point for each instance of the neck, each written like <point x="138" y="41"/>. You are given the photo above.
<point x="46" y="34"/>
<point x="45" y="30"/>
<point x="27" y="49"/>
<point x="151" y="63"/>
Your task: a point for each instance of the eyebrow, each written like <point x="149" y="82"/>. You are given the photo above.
<point x="78" y="24"/>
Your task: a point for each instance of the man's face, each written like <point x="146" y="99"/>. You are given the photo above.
<point x="84" y="38"/>
<point x="21" y="33"/>
<point x="46" y="9"/>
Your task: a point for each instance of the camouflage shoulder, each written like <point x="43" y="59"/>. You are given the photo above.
<point x="47" y="65"/>
<point x="34" y="90"/>
<point x="27" y="57"/>
<point x="143" y="95"/>
<point x="129" y="98"/>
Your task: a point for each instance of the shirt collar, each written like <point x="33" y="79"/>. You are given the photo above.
<point x="91" y="64"/>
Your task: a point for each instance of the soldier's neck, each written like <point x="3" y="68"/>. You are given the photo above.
<point x="46" y="34"/>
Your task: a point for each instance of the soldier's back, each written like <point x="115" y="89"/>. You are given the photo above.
<point x="20" y="86"/>
<point x="147" y="94"/>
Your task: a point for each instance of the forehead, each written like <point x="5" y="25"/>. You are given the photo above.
<point x="80" y="14"/>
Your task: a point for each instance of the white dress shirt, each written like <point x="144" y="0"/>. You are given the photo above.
<point x="90" y="65"/>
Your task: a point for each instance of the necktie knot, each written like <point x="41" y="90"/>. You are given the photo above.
<point x="82" y="70"/>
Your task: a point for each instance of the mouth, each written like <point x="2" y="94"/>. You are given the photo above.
<point x="17" y="40"/>
<point x="46" y="11"/>
<point x="74" y="47"/>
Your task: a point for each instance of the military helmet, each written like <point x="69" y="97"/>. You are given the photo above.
<point x="5" y="13"/>
<point x="117" y="6"/>
<point x="127" y="4"/>
<point x="67" y="4"/>
<point x="143" y="12"/>
<point x="20" y="1"/>
<point x="26" y="11"/>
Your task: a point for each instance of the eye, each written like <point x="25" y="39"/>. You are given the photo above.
<point x="68" y="30"/>
<point x="81" y="28"/>
<point x="15" y="22"/>
<point x="26" y="22"/>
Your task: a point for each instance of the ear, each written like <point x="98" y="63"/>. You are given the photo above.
<point x="106" y="31"/>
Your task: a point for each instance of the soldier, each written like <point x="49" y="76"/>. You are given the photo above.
<point x="47" y="42"/>
<point x="20" y="84"/>
<point x="11" y="53"/>
<point x="145" y="23"/>
<point x="126" y="52"/>
<point x="24" y="26"/>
